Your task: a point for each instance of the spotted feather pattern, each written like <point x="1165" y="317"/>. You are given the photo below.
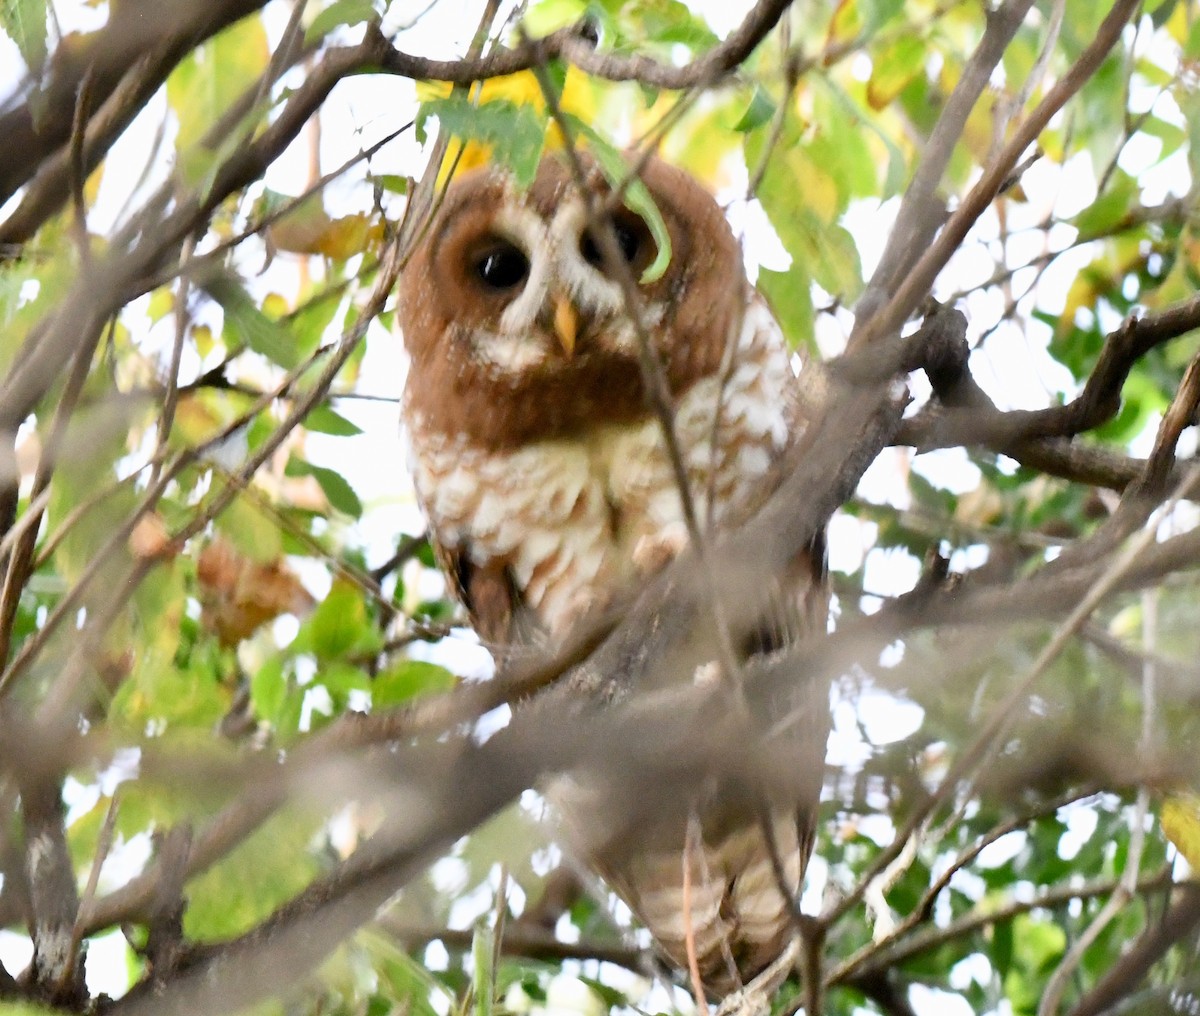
<point x="566" y="515"/>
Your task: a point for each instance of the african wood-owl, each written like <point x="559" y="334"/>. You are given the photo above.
<point x="548" y="488"/>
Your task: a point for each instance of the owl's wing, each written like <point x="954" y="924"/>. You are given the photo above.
<point x="490" y="595"/>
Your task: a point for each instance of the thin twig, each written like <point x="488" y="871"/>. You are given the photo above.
<point x="917" y="282"/>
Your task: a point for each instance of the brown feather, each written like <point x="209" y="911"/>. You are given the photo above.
<point x="454" y="393"/>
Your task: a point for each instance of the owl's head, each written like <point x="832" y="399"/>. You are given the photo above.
<point x="508" y="292"/>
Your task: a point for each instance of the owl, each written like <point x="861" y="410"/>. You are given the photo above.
<point x="548" y="489"/>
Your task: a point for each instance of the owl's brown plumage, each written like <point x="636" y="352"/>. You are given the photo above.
<point x="548" y="488"/>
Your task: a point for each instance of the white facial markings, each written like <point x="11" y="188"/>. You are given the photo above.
<point x="525" y="228"/>
<point x="592" y="292"/>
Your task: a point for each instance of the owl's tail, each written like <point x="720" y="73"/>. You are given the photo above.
<point x="729" y="902"/>
<point x="714" y="883"/>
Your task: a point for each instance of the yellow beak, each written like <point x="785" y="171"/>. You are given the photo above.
<point x="566" y="323"/>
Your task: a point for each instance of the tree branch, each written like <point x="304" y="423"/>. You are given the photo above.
<point x="571" y="45"/>
<point x="150" y="36"/>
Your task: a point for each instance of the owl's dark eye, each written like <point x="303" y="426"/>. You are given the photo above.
<point x="502" y="267"/>
<point x="629" y="239"/>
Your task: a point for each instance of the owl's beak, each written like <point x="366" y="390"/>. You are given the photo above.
<point x="566" y="323"/>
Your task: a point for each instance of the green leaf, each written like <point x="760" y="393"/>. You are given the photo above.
<point x="207" y="82"/>
<point x="1171" y="135"/>
<point x="551" y="15"/>
<point x="248" y="325"/>
<point x="405" y="979"/>
<point x="837" y="270"/>
<point x="25" y="23"/>
<point x="25" y="1009"/>
<point x="516" y="134"/>
<point x="897" y="166"/>
<point x="1141" y="401"/>
<point x="324" y="420"/>
<point x="251" y="530"/>
<point x="340" y="626"/>
<point x="308" y="323"/>
<point x="483" y="952"/>
<point x="893" y="68"/>
<point x="1037" y="947"/>
<point x="408" y="680"/>
<point x="1161" y="11"/>
<point x="392" y="182"/>
<point x="161" y="692"/>
<point x="1109" y="208"/>
<point x="334" y="486"/>
<point x="637" y="197"/>
<point x="758" y="112"/>
<point x="1001" y="954"/>
<point x="790" y="296"/>
<point x="1191" y="49"/>
<point x="340" y="12"/>
<point x="268" y="689"/>
<point x="340" y="679"/>
<point x="246" y="886"/>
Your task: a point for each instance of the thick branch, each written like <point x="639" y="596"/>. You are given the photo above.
<point x="570" y="45"/>
<point x="970" y="417"/>
<point x="167" y="30"/>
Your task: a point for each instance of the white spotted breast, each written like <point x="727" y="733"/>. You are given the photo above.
<point x="566" y="515"/>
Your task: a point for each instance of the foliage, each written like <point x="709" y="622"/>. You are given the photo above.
<point x="221" y="629"/>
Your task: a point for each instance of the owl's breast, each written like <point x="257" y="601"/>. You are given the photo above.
<point x="565" y="516"/>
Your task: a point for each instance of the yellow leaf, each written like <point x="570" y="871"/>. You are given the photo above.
<point x="196" y="420"/>
<point x="92" y="187"/>
<point x="1177" y="24"/>
<point x="350" y="235"/>
<point x="814" y="182"/>
<point x="979" y="507"/>
<point x="203" y="86"/>
<point x="1180" y="820"/>
<point x="1084" y="292"/>
<point x="307" y="229"/>
<point x="162" y="302"/>
<point x="892" y="68"/>
<point x="202" y="336"/>
<point x="274" y="306"/>
<point x="845" y="24"/>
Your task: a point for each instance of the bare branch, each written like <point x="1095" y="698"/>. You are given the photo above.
<point x="921" y="213"/>
<point x="34" y="131"/>
<point x="1178" y="922"/>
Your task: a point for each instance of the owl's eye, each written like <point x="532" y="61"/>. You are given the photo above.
<point x="629" y="239"/>
<point x="502" y="267"/>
